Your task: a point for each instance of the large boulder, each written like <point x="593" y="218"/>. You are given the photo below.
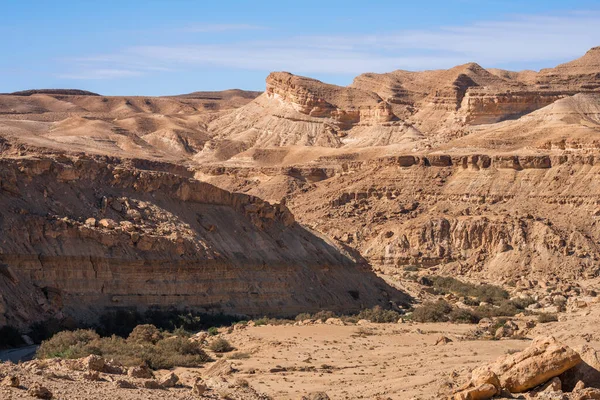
<point x="537" y="364"/>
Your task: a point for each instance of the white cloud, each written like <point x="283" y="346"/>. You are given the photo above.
<point x="519" y="40"/>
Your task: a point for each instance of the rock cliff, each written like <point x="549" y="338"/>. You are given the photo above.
<point x="82" y="235"/>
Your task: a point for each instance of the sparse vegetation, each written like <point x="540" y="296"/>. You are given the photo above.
<point x="432" y="311"/>
<point x="146" y="345"/>
<point x="220" y="345"/>
<point x="379" y="315"/>
<point x="482" y="293"/>
<point x="213" y="331"/>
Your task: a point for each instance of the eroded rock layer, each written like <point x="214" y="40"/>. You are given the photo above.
<point x="84" y="235"/>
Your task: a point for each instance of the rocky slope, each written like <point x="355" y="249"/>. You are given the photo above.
<point x="82" y="235"/>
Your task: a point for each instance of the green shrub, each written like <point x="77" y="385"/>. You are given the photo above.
<point x="303" y="316"/>
<point x="143" y="334"/>
<point x="522" y="302"/>
<point x="213" y="331"/>
<point x="545" y="318"/>
<point x="463" y="316"/>
<point x="220" y="345"/>
<point x="482" y="293"/>
<point x="324" y="315"/>
<point x="379" y="315"/>
<point x="432" y="311"/>
<point x="68" y="344"/>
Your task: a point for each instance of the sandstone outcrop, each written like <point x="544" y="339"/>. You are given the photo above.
<point x="546" y="358"/>
<point x="162" y="240"/>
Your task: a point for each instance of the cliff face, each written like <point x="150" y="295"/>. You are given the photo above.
<point x="83" y="235"/>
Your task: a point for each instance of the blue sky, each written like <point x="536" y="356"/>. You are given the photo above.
<point x="169" y="47"/>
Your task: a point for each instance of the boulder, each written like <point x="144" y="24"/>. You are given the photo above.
<point x="142" y="372"/>
<point x="94" y="363"/>
<point x="537" y="364"/>
<point x="443" y="340"/>
<point x="10" y="381"/>
<point x="40" y="392"/>
<point x="123" y="384"/>
<point x="169" y="380"/>
<point x="151" y="384"/>
<point x="91" y="376"/>
<point x="481" y="392"/>
<point x="199" y="387"/>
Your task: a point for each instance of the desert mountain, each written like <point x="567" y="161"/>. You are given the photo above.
<point x="485" y="174"/>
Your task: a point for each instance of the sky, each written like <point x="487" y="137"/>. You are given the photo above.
<point x="149" y="47"/>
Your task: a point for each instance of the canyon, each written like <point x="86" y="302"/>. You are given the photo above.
<point x="308" y="197"/>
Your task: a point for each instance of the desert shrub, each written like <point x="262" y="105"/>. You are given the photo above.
<point x="213" y="331"/>
<point x="220" y="345"/>
<point x="505" y="309"/>
<point x="69" y="344"/>
<point x="546" y="317"/>
<point x="261" y="321"/>
<point x="324" y="315"/>
<point x="165" y="353"/>
<point x="146" y="333"/>
<point x="411" y="268"/>
<point x="10" y="337"/>
<point x="471" y="302"/>
<point x="303" y="316"/>
<point x="483" y="293"/>
<point x="522" y="302"/>
<point x="379" y="315"/>
<point x="462" y="316"/>
<point x="432" y="311"/>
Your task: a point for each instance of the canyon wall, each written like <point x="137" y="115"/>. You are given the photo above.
<point x="83" y="235"/>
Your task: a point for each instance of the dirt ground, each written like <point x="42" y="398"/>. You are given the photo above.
<point x="368" y="361"/>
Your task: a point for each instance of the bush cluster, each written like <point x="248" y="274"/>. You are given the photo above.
<point x="145" y="345"/>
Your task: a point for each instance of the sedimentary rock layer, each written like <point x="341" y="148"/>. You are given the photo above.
<point x="84" y="235"/>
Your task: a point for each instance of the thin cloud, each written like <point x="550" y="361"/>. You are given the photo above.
<point x="205" y="28"/>
<point x="101" y="74"/>
<point x="519" y="40"/>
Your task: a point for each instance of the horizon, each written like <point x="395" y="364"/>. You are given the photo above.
<point x="157" y="49"/>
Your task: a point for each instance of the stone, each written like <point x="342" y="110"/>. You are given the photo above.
<point x="586" y="394"/>
<point x="169" y="380"/>
<point x="142" y="372"/>
<point x="108" y="223"/>
<point x="481" y="376"/>
<point x="443" y="340"/>
<point x="315" y="396"/>
<point x="481" y="392"/>
<point x="220" y="368"/>
<point x="124" y="384"/>
<point x="40" y="392"/>
<point x="199" y="387"/>
<point x="94" y="363"/>
<point x="91" y="376"/>
<point x="151" y="384"/>
<point x="91" y="222"/>
<point x="544" y="359"/>
<point x="10" y="381"/>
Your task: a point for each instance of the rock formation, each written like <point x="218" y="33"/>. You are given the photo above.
<point x="82" y="235"/>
